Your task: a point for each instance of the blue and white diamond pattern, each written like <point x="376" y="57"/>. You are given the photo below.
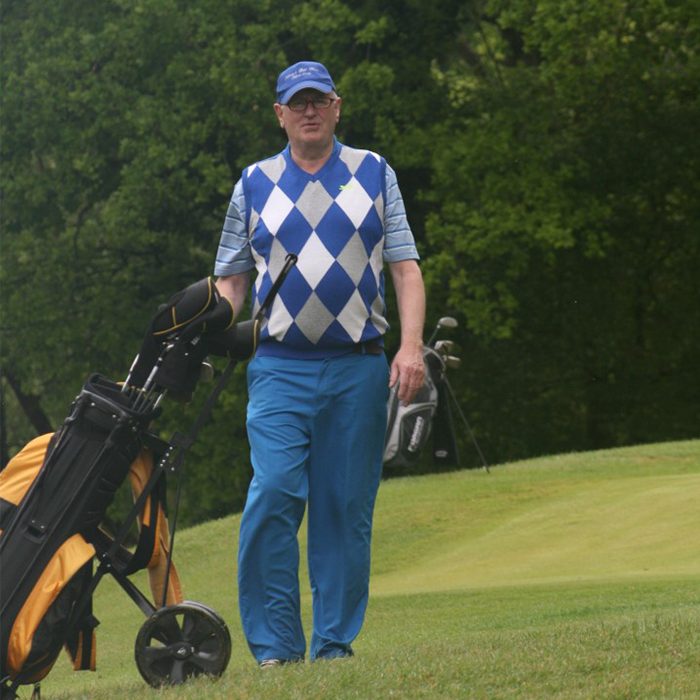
<point x="354" y="158"/>
<point x="378" y="311"/>
<point x="273" y="168"/>
<point x="254" y="218"/>
<point x="314" y="202"/>
<point x="353" y="258"/>
<point x="277" y="259"/>
<point x="299" y="310"/>
<point x="349" y="317"/>
<point x="280" y="320"/>
<point x="379" y="206"/>
<point x="314" y="261"/>
<point x="355" y="202"/>
<point x="314" y="318"/>
<point x="376" y="261"/>
<point x="276" y="210"/>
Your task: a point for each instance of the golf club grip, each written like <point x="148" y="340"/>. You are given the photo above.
<point x="289" y="263"/>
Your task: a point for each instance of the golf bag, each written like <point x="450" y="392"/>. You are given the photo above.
<point x="409" y="427"/>
<point x="429" y="413"/>
<point x="55" y="492"/>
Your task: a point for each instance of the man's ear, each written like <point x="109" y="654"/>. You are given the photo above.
<point x="279" y="112"/>
<point x="337" y="111"/>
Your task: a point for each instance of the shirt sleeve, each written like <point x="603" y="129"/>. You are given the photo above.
<point x="233" y="256"/>
<point x="398" y="238"/>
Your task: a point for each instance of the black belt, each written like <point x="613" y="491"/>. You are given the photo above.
<point x="367" y="349"/>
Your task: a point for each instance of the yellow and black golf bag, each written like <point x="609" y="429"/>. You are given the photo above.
<point x="54" y="549"/>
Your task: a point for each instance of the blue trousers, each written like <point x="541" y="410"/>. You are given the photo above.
<point x="316" y="430"/>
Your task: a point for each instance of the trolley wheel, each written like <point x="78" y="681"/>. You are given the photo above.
<point x="180" y="641"/>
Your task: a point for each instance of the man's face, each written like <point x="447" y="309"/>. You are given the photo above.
<point x="312" y="125"/>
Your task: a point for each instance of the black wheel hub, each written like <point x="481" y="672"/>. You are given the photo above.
<point x="182" y="651"/>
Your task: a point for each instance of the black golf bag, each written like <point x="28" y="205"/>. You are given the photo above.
<point x="429" y="413"/>
<point x="54" y="494"/>
<point x="410" y="427"/>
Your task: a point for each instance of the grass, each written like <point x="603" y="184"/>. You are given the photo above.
<point x="575" y="576"/>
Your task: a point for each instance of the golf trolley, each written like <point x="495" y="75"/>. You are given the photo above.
<point x="409" y="427"/>
<point x="55" y="492"/>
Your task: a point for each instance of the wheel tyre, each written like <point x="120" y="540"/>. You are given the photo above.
<point x="181" y="641"/>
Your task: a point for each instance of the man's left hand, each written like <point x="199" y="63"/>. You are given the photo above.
<point x="408" y="369"/>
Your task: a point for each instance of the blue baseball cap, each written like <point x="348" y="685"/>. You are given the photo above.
<point x="305" y="74"/>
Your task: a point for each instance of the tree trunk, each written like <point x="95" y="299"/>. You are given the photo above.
<point x="31" y="406"/>
<point x="4" y="450"/>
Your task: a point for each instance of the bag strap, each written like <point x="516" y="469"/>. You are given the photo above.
<point x="81" y="643"/>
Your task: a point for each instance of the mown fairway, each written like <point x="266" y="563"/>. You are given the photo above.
<point x="573" y="576"/>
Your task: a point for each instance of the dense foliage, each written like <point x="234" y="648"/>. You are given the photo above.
<point x="547" y="151"/>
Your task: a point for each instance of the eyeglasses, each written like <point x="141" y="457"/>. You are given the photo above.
<point x="299" y="105"/>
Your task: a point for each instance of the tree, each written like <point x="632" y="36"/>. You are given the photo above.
<point x="567" y="219"/>
<point x="125" y="125"/>
<point x="546" y="151"/>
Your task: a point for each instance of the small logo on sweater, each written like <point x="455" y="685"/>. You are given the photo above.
<point x="346" y="187"/>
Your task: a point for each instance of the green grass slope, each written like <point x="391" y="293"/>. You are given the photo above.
<point x="600" y="515"/>
<point x="575" y="576"/>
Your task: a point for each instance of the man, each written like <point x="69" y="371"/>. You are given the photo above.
<point x="318" y="385"/>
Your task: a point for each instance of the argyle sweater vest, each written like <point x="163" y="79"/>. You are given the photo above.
<point x="333" y="221"/>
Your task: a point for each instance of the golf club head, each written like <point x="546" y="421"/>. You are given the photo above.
<point x="444" y="347"/>
<point x="447" y="322"/>
<point x="206" y="372"/>
<point x="444" y="322"/>
<point x="453" y="362"/>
